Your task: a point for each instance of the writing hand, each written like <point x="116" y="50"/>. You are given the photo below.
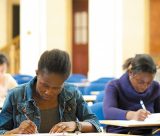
<point x="26" y="127"/>
<point x="140" y="115"/>
<point x="63" y="126"/>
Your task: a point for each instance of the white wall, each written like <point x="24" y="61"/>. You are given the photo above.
<point x="57" y="13"/>
<point x="33" y="34"/>
<point x="105" y="41"/>
<point x="135" y="27"/>
<point x="3" y="22"/>
<point x="44" y="25"/>
<point x="118" y="30"/>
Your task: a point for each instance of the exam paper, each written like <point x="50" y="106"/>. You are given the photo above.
<point x="153" y="117"/>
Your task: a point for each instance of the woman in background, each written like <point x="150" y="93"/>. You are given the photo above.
<point x="6" y="80"/>
<point x="122" y="96"/>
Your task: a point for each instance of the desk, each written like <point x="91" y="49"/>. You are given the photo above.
<point x="89" y="98"/>
<point x="130" y="123"/>
<point x="95" y="92"/>
<point x="73" y="134"/>
<point x="1" y="102"/>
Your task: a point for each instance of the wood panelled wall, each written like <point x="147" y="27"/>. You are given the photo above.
<point x="12" y="51"/>
<point x="155" y="29"/>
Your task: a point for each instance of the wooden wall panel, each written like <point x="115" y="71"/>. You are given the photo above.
<point x="155" y="29"/>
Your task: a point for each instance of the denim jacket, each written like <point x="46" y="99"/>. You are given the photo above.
<point x="19" y="102"/>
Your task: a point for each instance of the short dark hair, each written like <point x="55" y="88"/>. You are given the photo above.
<point x="3" y="59"/>
<point x="140" y="63"/>
<point x="55" y="61"/>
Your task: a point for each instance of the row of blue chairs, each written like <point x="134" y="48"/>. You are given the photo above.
<point x="96" y="85"/>
<point x="78" y="78"/>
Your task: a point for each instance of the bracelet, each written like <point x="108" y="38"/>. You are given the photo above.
<point x="78" y="126"/>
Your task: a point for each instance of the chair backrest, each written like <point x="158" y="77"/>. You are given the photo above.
<point x="76" y="78"/>
<point x="96" y="108"/>
<point x="103" y="80"/>
<point x="21" y="78"/>
<point x="100" y="96"/>
<point x="94" y="87"/>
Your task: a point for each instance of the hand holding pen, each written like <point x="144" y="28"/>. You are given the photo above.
<point x="140" y="114"/>
<point x="36" y="131"/>
<point x="26" y="127"/>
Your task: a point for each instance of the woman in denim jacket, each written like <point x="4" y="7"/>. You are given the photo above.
<point x="46" y="104"/>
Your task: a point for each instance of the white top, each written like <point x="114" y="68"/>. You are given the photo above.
<point x="6" y="84"/>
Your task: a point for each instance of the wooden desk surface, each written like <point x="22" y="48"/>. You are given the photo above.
<point x="95" y="92"/>
<point x="1" y="102"/>
<point x="82" y="84"/>
<point x="130" y="123"/>
<point x="73" y="134"/>
<point x="89" y="98"/>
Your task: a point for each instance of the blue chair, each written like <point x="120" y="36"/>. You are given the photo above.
<point x="103" y="80"/>
<point x="100" y="96"/>
<point x="21" y="78"/>
<point x="96" y="108"/>
<point x="94" y="87"/>
<point x="76" y="78"/>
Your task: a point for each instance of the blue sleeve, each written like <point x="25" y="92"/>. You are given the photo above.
<point x="84" y="113"/>
<point x="6" y="116"/>
<point x="110" y="103"/>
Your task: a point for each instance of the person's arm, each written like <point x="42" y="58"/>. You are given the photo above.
<point x="140" y="115"/>
<point x="7" y="122"/>
<point x="111" y="109"/>
<point x="88" y="120"/>
<point x="73" y="127"/>
<point x="6" y="115"/>
<point x="111" y="106"/>
<point x="26" y="127"/>
<point x="87" y="127"/>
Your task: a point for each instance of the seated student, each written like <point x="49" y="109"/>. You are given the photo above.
<point x="122" y="96"/>
<point x="6" y="80"/>
<point x="46" y="104"/>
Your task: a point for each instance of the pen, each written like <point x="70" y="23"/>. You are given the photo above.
<point x="26" y="117"/>
<point x="142" y="104"/>
<point x="29" y="119"/>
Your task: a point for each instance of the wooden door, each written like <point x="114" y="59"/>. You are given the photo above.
<point x="80" y="37"/>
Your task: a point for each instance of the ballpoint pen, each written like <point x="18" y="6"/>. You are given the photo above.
<point x="26" y="117"/>
<point x="29" y="119"/>
<point x="142" y="104"/>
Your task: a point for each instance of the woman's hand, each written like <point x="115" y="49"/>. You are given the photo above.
<point x="63" y="127"/>
<point x="140" y="115"/>
<point x="26" y="127"/>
